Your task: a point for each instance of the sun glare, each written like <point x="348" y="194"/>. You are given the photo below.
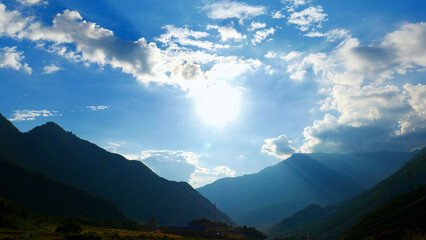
<point x="218" y="105"/>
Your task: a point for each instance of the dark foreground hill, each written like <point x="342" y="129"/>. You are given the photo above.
<point x="280" y="190"/>
<point x="348" y="213"/>
<point x="44" y="195"/>
<point x="131" y="185"/>
<point x="400" y="216"/>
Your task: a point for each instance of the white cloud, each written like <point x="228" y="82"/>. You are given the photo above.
<point x="409" y="43"/>
<point x="415" y="120"/>
<point x="79" y="40"/>
<point x="97" y="108"/>
<point x="11" y="22"/>
<point x="294" y="3"/>
<point x="261" y="35"/>
<point x="112" y="146"/>
<point x="311" y="17"/>
<point x="11" y="58"/>
<point x="51" y="69"/>
<point x="280" y="147"/>
<point x="353" y="64"/>
<point x="277" y="15"/>
<point x="228" y="33"/>
<point x="270" y="55"/>
<point x="187" y="37"/>
<point x="269" y="70"/>
<point x="231" y="67"/>
<point x="31" y="2"/>
<point x="28" y="115"/>
<point x="256" y="25"/>
<point x="331" y="35"/>
<point x="181" y="166"/>
<point x="375" y="114"/>
<point x="232" y="9"/>
<point x="204" y="176"/>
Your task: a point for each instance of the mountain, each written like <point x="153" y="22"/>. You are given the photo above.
<point x="347" y="213"/>
<point x="44" y="195"/>
<point x="295" y="222"/>
<point x="280" y="190"/>
<point x="131" y="185"/>
<point x="401" y="215"/>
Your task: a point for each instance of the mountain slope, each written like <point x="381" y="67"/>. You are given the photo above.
<point x="138" y="191"/>
<point x="347" y="213"/>
<point x="44" y="195"/>
<point x="406" y="212"/>
<point x="300" y="180"/>
<point x="302" y="217"/>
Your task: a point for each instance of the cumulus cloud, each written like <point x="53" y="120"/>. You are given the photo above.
<point x="409" y="43"/>
<point x="369" y="113"/>
<point x="181" y="166"/>
<point x="256" y="25"/>
<point x="51" y="69"/>
<point x="228" y="33"/>
<point x="271" y="55"/>
<point x="97" y="108"/>
<point x="309" y="18"/>
<point x="11" y="22"/>
<point x="28" y="115"/>
<point x="328" y="135"/>
<point x="280" y="147"/>
<point x="93" y="44"/>
<point x="204" y="176"/>
<point x="352" y="63"/>
<point x="11" y="58"/>
<point x="76" y="39"/>
<point x="233" y="9"/>
<point x="277" y="15"/>
<point x="261" y="35"/>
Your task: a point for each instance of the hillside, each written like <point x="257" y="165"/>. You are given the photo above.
<point x="280" y="190"/>
<point x="44" y="195"/>
<point x="401" y="215"/>
<point x="131" y="185"/>
<point x="293" y="224"/>
<point x="348" y="213"/>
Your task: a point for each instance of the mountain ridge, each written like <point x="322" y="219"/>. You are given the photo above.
<point x="318" y="178"/>
<point x="347" y="213"/>
<point x="131" y="185"/>
<point x="44" y="195"/>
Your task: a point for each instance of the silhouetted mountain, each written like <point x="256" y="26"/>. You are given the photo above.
<point x="308" y="215"/>
<point x="6" y="126"/>
<point x="403" y="214"/>
<point x="300" y="180"/>
<point x="44" y="195"/>
<point x="347" y="213"/>
<point x="138" y="191"/>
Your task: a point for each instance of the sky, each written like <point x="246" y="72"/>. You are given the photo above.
<point x="201" y="90"/>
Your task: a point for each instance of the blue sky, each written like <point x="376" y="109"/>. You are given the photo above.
<point x="200" y="90"/>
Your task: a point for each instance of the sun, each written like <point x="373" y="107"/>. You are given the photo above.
<point x="218" y="105"/>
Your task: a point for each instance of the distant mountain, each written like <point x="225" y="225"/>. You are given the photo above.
<point x="280" y="190"/>
<point x="131" y="185"/>
<point x="348" y="213"/>
<point x="402" y="215"/>
<point x="295" y="222"/>
<point x="44" y="195"/>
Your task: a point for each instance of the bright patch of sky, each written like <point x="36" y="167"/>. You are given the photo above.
<point x="200" y="90"/>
